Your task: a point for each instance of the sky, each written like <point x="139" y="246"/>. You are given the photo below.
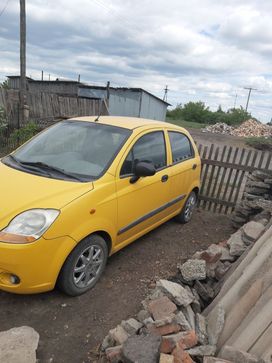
<point x="204" y="50"/>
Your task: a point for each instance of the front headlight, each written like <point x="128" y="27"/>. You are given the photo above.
<point x="28" y="226"/>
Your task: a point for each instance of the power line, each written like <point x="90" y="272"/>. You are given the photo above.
<point x="4" y="8"/>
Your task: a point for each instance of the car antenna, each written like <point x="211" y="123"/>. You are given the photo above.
<point x="100" y="110"/>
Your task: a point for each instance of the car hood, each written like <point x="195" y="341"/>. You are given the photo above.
<point x="20" y="191"/>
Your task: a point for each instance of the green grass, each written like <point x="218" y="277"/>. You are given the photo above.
<point x="186" y="124"/>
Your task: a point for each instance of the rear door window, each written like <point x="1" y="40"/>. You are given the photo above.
<point x="181" y="147"/>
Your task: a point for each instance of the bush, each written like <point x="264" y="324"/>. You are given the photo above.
<point x="25" y="133"/>
<point x="198" y="112"/>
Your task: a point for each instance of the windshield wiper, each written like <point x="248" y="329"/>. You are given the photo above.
<point x="44" y="167"/>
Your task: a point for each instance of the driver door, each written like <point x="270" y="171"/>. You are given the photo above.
<point x="143" y="204"/>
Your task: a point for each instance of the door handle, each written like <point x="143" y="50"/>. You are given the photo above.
<point x="194" y="166"/>
<point x="164" y="178"/>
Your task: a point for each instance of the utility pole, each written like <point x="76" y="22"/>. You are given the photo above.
<point x="235" y="101"/>
<point x="165" y="93"/>
<point x="22" y="92"/>
<point x="249" y="93"/>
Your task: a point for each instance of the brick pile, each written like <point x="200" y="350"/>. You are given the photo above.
<point x="249" y="128"/>
<point x="171" y="327"/>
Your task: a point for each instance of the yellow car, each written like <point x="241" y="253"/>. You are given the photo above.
<point x="85" y="188"/>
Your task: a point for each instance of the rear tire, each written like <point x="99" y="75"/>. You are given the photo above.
<point x="84" y="266"/>
<point x="186" y="213"/>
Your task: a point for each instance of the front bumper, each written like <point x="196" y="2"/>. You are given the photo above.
<point x="36" y="264"/>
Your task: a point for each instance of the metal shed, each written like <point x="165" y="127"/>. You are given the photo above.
<point x="122" y="101"/>
<point x="128" y="101"/>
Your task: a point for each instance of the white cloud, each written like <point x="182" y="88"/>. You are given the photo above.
<point x="203" y="49"/>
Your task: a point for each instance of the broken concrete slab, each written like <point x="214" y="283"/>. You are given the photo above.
<point x="252" y="231"/>
<point x="182" y="321"/>
<point x="201" y="329"/>
<point x="202" y="350"/>
<point x="19" y="345"/>
<point x="161" y="308"/>
<point x="175" y="292"/>
<point x="166" y="358"/>
<point x="215" y="324"/>
<point x="215" y="360"/>
<point x="193" y="270"/>
<point x="131" y="326"/>
<point x="142" y="349"/>
<point x="236" y="244"/>
<point x="237" y="356"/>
<point x="119" y="335"/>
<point x="114" y="354"/>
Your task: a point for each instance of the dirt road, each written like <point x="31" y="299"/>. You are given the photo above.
<point x="70" y="328"/>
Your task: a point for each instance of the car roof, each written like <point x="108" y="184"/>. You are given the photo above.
<point x="126" y="122"/>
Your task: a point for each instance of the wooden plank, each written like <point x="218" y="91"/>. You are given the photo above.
<point x="202" y="173"/>
<point x="242" y="179"/>
<point x="217" y="177"/>
<point x="217" y="201"/>
<point x="228" y="177"/>
<point x="210" y="182"/>
<point x="229" y="165"/>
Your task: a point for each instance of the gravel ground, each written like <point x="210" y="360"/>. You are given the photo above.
<point x="72" y="328"/>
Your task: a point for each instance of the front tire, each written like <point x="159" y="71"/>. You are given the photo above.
<point x="84" y="266"/>
<point x="186" y="213"/>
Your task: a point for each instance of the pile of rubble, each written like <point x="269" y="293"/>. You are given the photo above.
<point x="248" y="128"/>
<point x="256" y="200"/>
<point x="171" y="327"/>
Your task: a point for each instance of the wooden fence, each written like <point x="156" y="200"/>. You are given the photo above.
<point x="45" y="107"/>
<point x="224" y="173"/>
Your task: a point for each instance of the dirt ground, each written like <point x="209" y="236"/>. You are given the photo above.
<point x="71" y="328"/>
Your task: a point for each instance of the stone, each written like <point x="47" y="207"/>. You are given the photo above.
<point x="182" y="321"/>
<point x="169" y="320"/>
<point x="202" y="350"/>
<point x="143" y="315"/>
<point x="156" y="294"/>
<point x="175" y="292"/>
<point x="119" y="335"/>
<point x="131" y="326"/>
<point x="210" y="269"/>
<point x="141" y="349"/>
<point x="180" y="356"/>
<point x="162" y="308"/>
<point x="201" y="329"/>
<point x="252" y="231"/>
<point x="236" y="244"/>
<point x="215" y="324"/>
<point x="196" y="306"/>
<point x="185" y="340"/>
<point x="204" y="291"/>
<point x="220" y="270"/>
<point x="237" y="356"/>
<point x="268" y="181"/>
<point x="255" y="190"/>
<point x="164" y="330"/>
<point x="107" y="342"/>
<point x="255" y="184"/>
<point x="212" y="254"/>
<point x="114" y="354"/>
<point x="19" y="345"/>
<point x="193" y="270"/>
<point x="250" y="196"/>
<point x="261" y="204"/>
<point x="215" y="360"/>
<point x="166" y="358"/>
<point x="225" y="255"/>
<point x="261" y="175"/>
<point x="189" y="315"/>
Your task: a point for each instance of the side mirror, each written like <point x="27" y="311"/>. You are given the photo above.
<point x="143" y="169"/>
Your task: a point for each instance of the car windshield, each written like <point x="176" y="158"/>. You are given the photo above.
<point x="75" y="148"/>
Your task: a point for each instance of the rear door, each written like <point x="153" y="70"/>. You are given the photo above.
<point x="184" y="167"/>
<point x="142" y="204"/>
